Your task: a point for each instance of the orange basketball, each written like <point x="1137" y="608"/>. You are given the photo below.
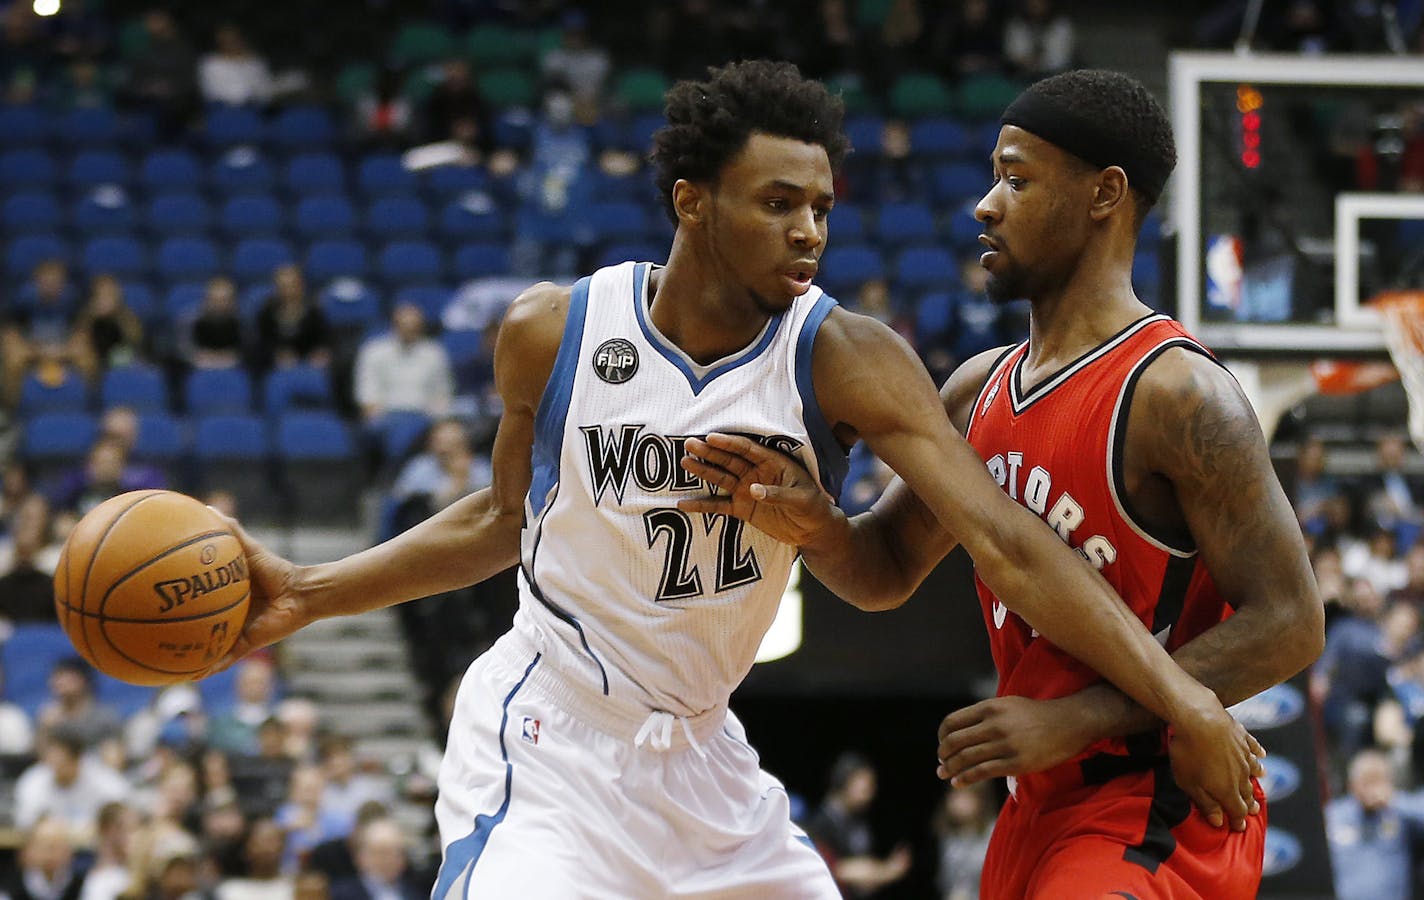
<point x="151" y="587"/>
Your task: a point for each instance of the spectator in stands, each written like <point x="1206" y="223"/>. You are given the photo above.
<point x="898" y="45"/>
<point x="233" y="74"/>
<point x="106" y="332"/>
<point x="553" y="188"/>
<point x="25" y="56"/>
<point x="970" y="40"/>
<point x="961" y="825"/>
<point x="17" y="734"/>
<point x="1330" y="578"/>
<point x="454" y="105"/>
<point x="34" y="331"/>
<point x="224" y="829"/>
<point x="1038" y="39"/>
<point x="255" y="689"/>
<point x="162" y="76"/>
<point x="1313" y="486"/>
<point x="842" y="833"/>
<point x="72" y="707"/>
<point x="262" y="877"/>
<point x="301" y="720"/>
<point x="1377" y="560"/>
<point x="1374" y="840"/>
<point x="579" y="65"/>
<point x="172" y="868"/>
<point x="106" y="473"/>
<point x="1351" y="676"/>
<point x="261" y="779"/>
<point x="832" y="47"/>
<point x="1393" y="498"/>
<point x="68" y="785"/>
<point x="15" y="486"/>
<point x="447" y="470"/>
<point x="336" y="858"/>
<point x="291" y="329"/>
<point x="306" y="821"/>
<point x="1413" y="589"/>
<point x="110" y="875"/>
<point x="404" y="370"/>
<point x="176" y="802"/>
<point x="348" y="788"/>
<point x="45" y="869"/>
<point x="175" y="711"/>
<point x="381" y="863"/>
<point x="216" y="338"/>
<point x="310" y="884"/>
<point x="85" y="86"/>
<point x="27" y="564"/>
<point x="383" y="115"/>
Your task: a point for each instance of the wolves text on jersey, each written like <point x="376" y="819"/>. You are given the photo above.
<point x="616" y="453"/>
<point x="1032" y="487"/>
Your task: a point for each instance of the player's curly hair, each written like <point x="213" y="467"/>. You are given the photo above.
<point x="708" y="122"/>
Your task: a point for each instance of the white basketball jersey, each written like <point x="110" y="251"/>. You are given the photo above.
<point x="645" y="603"/>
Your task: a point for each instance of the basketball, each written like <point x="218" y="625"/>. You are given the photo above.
<point x="151" y="587"/>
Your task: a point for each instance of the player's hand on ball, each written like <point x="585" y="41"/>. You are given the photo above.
<point x="1213" y="759"/>
<point x="761" y="486"/>
<point x="1008" y="736"/>
<point x="275" y="610"/>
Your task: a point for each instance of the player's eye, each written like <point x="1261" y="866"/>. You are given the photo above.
<point x="777" y="204"/>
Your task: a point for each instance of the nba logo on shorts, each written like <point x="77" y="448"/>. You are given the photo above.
<point x="530" y="731"/>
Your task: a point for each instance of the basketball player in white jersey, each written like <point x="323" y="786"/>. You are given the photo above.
<point x="592" y="753"/>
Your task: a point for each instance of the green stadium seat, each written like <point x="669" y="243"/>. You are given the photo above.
<point x="917" y="95"/>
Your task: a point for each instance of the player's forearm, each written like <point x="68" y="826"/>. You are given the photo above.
<point x="467" y="542"/>
<point x="856" y="560"/>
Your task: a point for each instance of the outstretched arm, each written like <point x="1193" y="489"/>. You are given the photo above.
<point x="470" y="540"/>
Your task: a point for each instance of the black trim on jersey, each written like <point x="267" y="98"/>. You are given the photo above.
<point x="1173" y="595"/>
<point x="1170" y="808"/>
<point x="1144" y="753"/>
<point x="979" y="395"/>
<point x="1022" y="399"/>
<point x="1120" y="442"/>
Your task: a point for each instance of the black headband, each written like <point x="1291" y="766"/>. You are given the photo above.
<point x="1087" y="140"/>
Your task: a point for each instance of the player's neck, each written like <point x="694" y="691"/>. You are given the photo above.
<point x="1093" y="304"/>
<point x="691" y="306"/>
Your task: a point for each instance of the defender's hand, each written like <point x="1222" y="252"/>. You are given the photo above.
<point x="760" y="486"/>
<point x="1008" y="736"/>
<point x="1214" y="758"/>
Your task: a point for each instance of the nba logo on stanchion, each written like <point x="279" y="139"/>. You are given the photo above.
<point x="530" y="731"/>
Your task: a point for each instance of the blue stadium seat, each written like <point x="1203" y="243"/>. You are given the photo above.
<point x="956" y="183"/>
<point x="91" y="168"/>
<point x="182" y="301"/>
<point x="904" y="223"/>
<point x="985" y="139"/>
<point x="252" y="215"/>
<point x="27" y="168"/>
<point x="296" y="388"/>
<point x="462" y="345"/>
<point x="350" y="305"/>
<point x="227" y="126"/>
<point x="233" y="452"/>
<point x="445" y="181"/>
<point x="847" y="266"/>
<point x="93" y="126"/>
<point x="934" y="314"/>
<point x="161" y="440"/>
<point x="242" y="170"/>
<point x="178" y="213"/>
<point x="314" y="173"/>
<point x="27" y="657"/>
<point x="300" y="127"/>
<point x="58" y="436"/>
<point x="325" y="217"/>
<point x="384" y="174"/>
<point x="961" y="227"/>
<point x="481" y="260"/>
<point x="641" y="130"/>
<point x="411" y="261"/>
<point x="612" y="254"/>
<point x="139" y="297"/>
<point x="628" y="186"/>
<point x="139" y="386"/>
<point x="171" y="170"/>
<point x="336" y="258"/>
<point x="255" y="258"/>
<point x="22" y="125"/>
<point x="617" y="220"/>
<point x="431" y="298"/>
<point x="29" y="212"/>
<point x="1147" y="277"/>
<point x="252" y="297"/>
<point x="69" y="394"/>
<point x="400" y="432"/>
<point x="230" y="436"/>
<point x="513" y="128"/>
<point x="29" y="250"/>
<point x="847" y="224"/>
<point x="939" y="137"/>
<point x="104" y="210"/>
<point x="474" y="218"/>
<point x="397" y="216"/>
<point x="187" y="258"/>
<point x="313" y="435"/>
<point x="864" y="134"/>
<point x="922" y="267"/>
<point x="113" y="255"/>
<point x="322" y="476"/>
<point x="209" y="392"/>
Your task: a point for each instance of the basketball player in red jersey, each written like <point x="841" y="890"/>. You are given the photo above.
<point x="1129" y="439"/>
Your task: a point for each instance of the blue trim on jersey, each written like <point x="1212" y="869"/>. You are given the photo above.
<point x="806" y="840"/>
<point x="554" y="405"/>
<point x="462" y="854"/>
<point x="831" y="458"/>
<point x="677" y="359"/>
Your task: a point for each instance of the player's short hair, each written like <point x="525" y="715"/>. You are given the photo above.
<point x="1106" y="118"/>
<point x="708" y="122"/>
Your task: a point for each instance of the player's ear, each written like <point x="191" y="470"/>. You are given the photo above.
<point x="689" y="201"/>
<point x="1109" y="193"/>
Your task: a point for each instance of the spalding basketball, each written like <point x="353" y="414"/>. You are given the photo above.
<point x="152" y="587"/>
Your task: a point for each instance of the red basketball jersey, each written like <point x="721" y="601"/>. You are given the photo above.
<point x="1057" y="449"/>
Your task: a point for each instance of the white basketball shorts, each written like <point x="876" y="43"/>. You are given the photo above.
<point x="537" y="803"/>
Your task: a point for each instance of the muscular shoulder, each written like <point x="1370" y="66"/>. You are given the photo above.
<point x="529" y="338"/>
<point x="1188" y="409"/>
<point x="965" y="383"/>
<point x="856" y="365"/>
